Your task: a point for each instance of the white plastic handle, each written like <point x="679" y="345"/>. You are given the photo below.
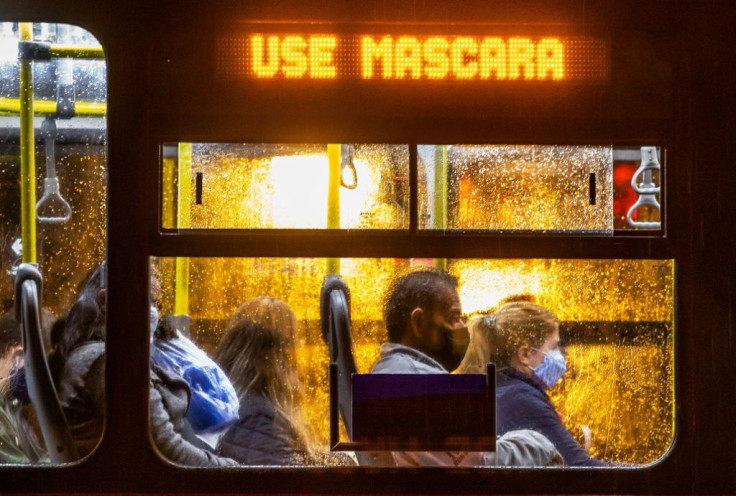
<point x="647" y="189"/>
<point x="51" y="194"/>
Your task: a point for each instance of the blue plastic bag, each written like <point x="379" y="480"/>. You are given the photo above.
<point x="214" y="404"/>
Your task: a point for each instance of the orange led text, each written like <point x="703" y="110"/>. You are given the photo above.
<point x="462" y="58"/>
<point x="294" y="56"/>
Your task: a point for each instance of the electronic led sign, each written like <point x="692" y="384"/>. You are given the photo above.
<point x="388" y="57"/>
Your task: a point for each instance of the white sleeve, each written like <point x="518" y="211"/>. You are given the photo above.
<point x="523" y="448"/>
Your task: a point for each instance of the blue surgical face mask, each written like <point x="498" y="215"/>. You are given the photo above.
<point x="551" y="370"/>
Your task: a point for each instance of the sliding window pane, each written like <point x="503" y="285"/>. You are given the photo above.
<point x="271" y="186"/>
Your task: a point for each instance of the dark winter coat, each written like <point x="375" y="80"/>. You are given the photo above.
<point x="81" y="391"/>
<point x="521" y="403"/>
<point x="261" y="436"/>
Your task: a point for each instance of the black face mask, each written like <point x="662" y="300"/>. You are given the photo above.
<point x="455" y="344"/>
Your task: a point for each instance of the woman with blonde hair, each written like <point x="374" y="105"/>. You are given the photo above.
<point x="523" y="340"/>
<point x="258" y="354"/>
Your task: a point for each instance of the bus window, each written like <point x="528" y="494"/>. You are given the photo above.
<point x="581" y="189"/>
<point x="268" y="186"/>
<point x="53" y="161"/>
<point x="567" y="189"/>
<point x="616" y="398"/>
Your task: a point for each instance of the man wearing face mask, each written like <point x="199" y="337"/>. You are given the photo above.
<point x="524" y="343"/>
<point x="427" y="335"/>
<point x="426" y="332"/>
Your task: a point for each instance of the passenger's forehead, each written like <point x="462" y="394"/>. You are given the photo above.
<point x="449" y="300"/>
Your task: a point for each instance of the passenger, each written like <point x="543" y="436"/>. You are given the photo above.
<point x="258" y="353"/>
<point x="213" y="403"/>
<point x="77" y="363"/>
<point x="423" y="318"/>
<point x="78" y="368"/>
<point x="523" y="339"/>
<point x="15" y="402"/>
<point x="174" y="437"/>
<point x="170" y="396"/>
<point x="11" y="360"/>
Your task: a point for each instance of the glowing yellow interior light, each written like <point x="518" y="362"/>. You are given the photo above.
<point x="493" y="58"/>
<point x="464" y="50"/>
<point x="436" y="58"/>
<point x="408" y="57"/>
<point x="521" y="57"/>
<point x="300" y="190"/>
<point x="294" y="56"/>
<point x="321" y="63"/>
<point x="371" y="51"/>
<point x="550" y="59"/>
<point x="258" y="48"/>
<point x="482" y="288"/>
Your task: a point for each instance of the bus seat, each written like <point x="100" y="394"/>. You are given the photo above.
<point x="425" y="412"/>
<point x="59" y="442"/>
<point x="337" y="332"/>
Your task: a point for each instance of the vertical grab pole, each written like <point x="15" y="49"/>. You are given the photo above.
<point x="440" y="196"/>
<point x="333" y="199"/>
<point x="183" y="220"/>
<point x="27" y="153"/>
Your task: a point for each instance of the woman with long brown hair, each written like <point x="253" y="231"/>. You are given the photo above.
<point x="258" y="354"/>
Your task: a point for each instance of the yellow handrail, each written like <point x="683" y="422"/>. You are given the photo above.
<point x="43" y="107"/>
<point x="77" y="52"/>
<point x="333" y="199"/>
<point x="440" y="196"/>
<point x="27" y="154"/>
<point x="183" y="221"/>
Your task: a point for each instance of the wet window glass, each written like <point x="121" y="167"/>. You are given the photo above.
<point x="250" y="331"/>
<point x="53" y="228"/>
<point x="583" y="189"/>
<point x="269" y="186"/>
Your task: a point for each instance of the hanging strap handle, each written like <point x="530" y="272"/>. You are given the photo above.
<point x="647" y="190"/>
<point x="51" y="194"/>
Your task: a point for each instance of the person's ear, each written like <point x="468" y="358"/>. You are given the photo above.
<point x="524" y="355"/>
<point x="417" y="319"/>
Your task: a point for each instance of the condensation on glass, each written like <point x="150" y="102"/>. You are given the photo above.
<point x="617" y="319"/>
<point x="68" y="204"/>
<point x="282" y="186"/>
<point x="516" y="188"/>
<point x="495" y="188"/>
